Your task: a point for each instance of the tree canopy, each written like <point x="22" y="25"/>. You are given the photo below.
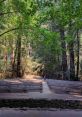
<point x="41" y="37"/>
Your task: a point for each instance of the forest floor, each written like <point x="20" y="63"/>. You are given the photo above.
<point x="35" y="87"/>
<point x="35" y="96"/>
<point x="21" y="85"/>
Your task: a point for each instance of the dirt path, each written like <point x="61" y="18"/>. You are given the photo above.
<point x="38" y="88"/>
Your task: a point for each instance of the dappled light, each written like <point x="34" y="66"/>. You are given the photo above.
<point x="41" y="54"/>
<point x="29" y="84"/>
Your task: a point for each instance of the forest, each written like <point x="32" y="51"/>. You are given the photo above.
<point x="41" y="37"/>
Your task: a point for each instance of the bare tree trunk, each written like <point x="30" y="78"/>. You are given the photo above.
<point x="19" y="57"/>
<point x="14" y="67"/>
<point x="12" y="61"/>
<point x="64" y="55"/>
<point x="71" y="54"/>
<point x="78" y="47"/>
<point x="72" y="65"/>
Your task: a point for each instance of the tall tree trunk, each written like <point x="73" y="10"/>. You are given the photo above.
<point x="14" y="70"/>
<point x="19" y="56"/>
<point x="72" y="65"/>
<point x="71" y="54"/>
<point x="12" y="61"/>
<point x="78" y="49"/>
<point x="64" y="55"/>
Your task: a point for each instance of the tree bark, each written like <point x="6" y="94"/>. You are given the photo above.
<point x="71" y="54"/>
<point x="19" y="56"/>
<point x="64" y="55"/>
<point x="72" y="65"/>
<point x="78" y="49"/>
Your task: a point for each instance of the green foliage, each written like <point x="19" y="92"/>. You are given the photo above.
<point x="33" y="22"/>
